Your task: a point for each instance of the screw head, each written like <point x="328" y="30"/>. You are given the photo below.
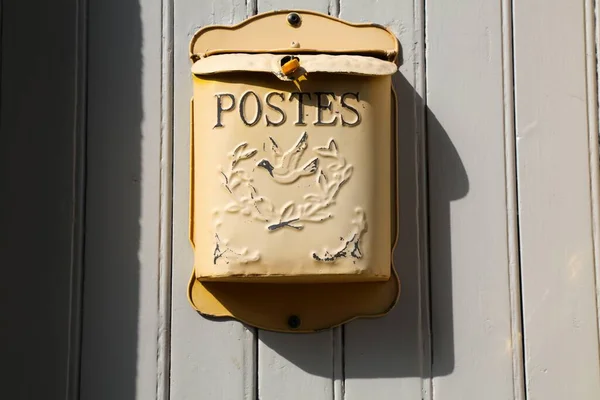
<point x="294" y="321"/>
<point x="294" y="19"/>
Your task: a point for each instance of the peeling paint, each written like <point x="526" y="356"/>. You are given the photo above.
<point x="351" y="247"/>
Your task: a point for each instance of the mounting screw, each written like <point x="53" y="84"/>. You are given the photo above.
<point x="294" y="19"/>
<point x="294" y="321"/>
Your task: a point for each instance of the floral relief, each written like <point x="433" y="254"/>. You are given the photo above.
<point x="285" y="169"/>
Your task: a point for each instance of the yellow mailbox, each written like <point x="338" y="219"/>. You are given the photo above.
<point x="293" y="214"/>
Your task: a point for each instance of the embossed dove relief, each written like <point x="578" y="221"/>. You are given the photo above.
<point x="286" y="169"/>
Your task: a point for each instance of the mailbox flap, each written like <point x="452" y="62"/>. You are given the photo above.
<point x="271" y="63"/>
<point x="298" y="32"/>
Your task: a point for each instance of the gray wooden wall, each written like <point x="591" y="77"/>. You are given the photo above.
<point x="499" y="247"/>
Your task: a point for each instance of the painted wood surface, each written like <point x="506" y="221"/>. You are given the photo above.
<point x="470" y="243"/>
<point x="499" y="196"/>
<point x="557" y="133"/>
<point x="121" y="322"/>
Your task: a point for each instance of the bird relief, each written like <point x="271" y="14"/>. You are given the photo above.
<point x="284" y="168"/>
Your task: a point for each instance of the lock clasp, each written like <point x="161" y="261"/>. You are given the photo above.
<point x="290" y="67"/>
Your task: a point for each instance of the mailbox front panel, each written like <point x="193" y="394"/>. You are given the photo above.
<point x="289" y="184"/>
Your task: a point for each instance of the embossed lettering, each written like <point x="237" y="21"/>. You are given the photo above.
<point x="323" y="103"/>
<point x="274" y="107"/>
<point x="220" y="108"/>
<point x="300" y="96"/>
<point x="354" y="110"/>
<point x="243" y="108"/>
<point x="326" y="112"/>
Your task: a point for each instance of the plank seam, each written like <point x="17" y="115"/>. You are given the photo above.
<point x="592" y="35"/>
<point x="78" y="216"/>
<point x="338" y="363"/>
<point x="343" y="359"/>
<point x="511" y="193"/>
<point x="166" y="205"/>
<point x="334" y="7"/>
<point x="251" y="7"/>
<point x="255" y="371"/>
<point x="422" y="203"/>
<point x="427" y="383"/>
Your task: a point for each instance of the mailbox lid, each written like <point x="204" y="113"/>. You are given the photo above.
<point x="271" y="63"/>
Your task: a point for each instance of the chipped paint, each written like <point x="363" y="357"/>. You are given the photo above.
<point x="351" y="247"/>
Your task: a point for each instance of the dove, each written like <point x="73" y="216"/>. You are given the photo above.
<point x="286" y="169"/>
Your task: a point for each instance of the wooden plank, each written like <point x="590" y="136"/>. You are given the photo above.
<point x="122" y="253"/>
<point x="291" y="366"/>
<point x="323" y="6"/>
<point x="470" y="242"/>
<point x="554" y="94"/>
<point x="39" y="202"/>
<point x="295" y="367"/>
<point x="209" y="359"/>
<point x="388" y="358"/>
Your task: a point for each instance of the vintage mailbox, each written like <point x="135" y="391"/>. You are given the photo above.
<point x="293" y="159"/>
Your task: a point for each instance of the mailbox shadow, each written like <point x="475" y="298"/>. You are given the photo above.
<point x="416" y="338"/>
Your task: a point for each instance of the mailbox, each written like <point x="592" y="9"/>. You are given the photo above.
<point x="293" y="203"/>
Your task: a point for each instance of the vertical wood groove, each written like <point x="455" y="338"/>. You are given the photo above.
<point x="166" y="205"/>
<point x="592" y="42"/>
<point x="420" y="22"/>
<point x="512" y="221"/>
<point x="427" y="385"/>
<point x="255" y="376"/>
<point x="338" y="363"/>
<point x="78" y="222"/>
<point x="334" y="8"/>
<point x="251" y="7"/>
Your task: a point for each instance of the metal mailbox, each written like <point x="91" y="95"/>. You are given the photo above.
<point x="293" y="159"/>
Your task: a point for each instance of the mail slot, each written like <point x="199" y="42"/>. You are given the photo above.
<point x="293" y="152"/>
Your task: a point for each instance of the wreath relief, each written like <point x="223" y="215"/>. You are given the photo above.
<point x="285" y="169"/>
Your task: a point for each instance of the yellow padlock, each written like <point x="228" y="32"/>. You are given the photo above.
<point x="289" y="65"/>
